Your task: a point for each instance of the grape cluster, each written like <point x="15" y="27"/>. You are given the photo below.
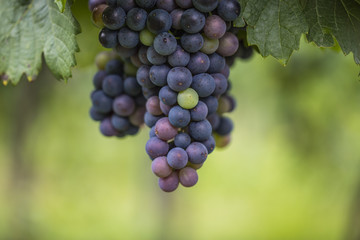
<point x="182" y="50"/>
<point x="117" y="101"/>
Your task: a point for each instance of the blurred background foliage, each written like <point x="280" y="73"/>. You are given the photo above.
<point x="291" y="172"/>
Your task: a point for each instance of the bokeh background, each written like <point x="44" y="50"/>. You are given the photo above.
<point x="292" y="170"/>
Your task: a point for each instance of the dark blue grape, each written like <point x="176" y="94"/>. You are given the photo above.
<point x="212" y="104"/>
<point x="185" y="4"/>
<point x="154" y="57"/>
<point x="107" y="129"/>
<point x="179" y="117"/>
<point x="176" y="17"/>
<point x="114" y="67"/>
<point x="179" y="79"/>
<point x="97" y="116"/>
<point x="126" y="4"/>
<point x="112" y="85"/>
<point x="203" y="84"/>
<point x="152" y="132"/>
<point x="180" y="58"/>
<point x="199" y="112"/>
<point x="142" y="54"/>
<point x="209" y="144"/>
<point x="143" y="77"/>
<point x="101" y="102"/>
<point x="200" y="131"/>
<point x="225" y="126"/>
<point x="192" y="21"/>
<point x="192" y="43"/>
<point x="108" y="38"/>
<point x="226" y="71"/>
<point x="158" y="75"/>
<point x="199" y="63"/>
<point x="149" y="92"/>
<point x="147" y="4"/>
<point x="136" y="19"/>
<point x="159" y="21"/>
<point x="94" y="3"/>
<point x="221" y="84"/>
<point x="124" y="105"/>
<point x="217" y="63"/>
<point x="98" y="79"/>
<point x="177" y="158"/>
<point x="140" y="100"/>
<point x="167" y="96"/>
<point x="182" y="140"/>
<point x="167" y="5"/>
<point x="132" y="130"/>
<point x="128" y="38"/>
<point x="165" y="43"/>
<point x="197" y="153"/>
<point x="124" y="52"/>
<point x="120" y="123"/>
<point x="214" y="120"/>
<point x="156" y="147"/>
<point x="229" y="10"/>
<point x="112" y="3"/>
<point x="205" y="5"/>
<point x="150" y="120"/>
<point x="131" y="87"/>
<point x="114" y="17"/>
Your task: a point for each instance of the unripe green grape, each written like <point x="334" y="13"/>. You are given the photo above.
<point x="210" y="45"/>
<point x="188" y="98"/>
<point x="97" y="15"/>
<point x="224" y="105"/>
<point x="103" y="58"/>
<point x="222" y="141"/>
<point x="147" y="37"/>
<point x="130" y="69"/>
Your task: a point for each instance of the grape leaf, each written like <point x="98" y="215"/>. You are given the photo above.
<point x="274" y="26"/>
<point x="31" y="28"/>
<point x="61" y="4"/>
<point x="338" y="18"/>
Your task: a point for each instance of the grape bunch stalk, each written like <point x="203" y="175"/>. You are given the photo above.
<point x="182" y="51"/>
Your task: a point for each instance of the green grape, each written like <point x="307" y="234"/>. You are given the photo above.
<point x="97" y="15"/>
<point x="210" y="45"/>
<point x="147" y="37"/>
<point x="188" y="98"/>
<point x="224" y="105"/>
<point x="130" y="69"/>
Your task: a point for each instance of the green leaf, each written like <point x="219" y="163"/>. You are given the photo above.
<point x="30" y="29"/>
<point x="335" y="18"/>
<point x="61" y="4"/>
<point x="274" y="26"/>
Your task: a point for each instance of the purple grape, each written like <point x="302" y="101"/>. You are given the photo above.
<point x="170" y="183"/>
<point x="153" y="106"/>
<point x="188" y="177"/>
<point x="164" y="130"/>
<point x="124" y="105"/>
<point x="160" y="167"/>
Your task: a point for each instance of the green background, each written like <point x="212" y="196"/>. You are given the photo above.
<point x="291" y="172"/>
